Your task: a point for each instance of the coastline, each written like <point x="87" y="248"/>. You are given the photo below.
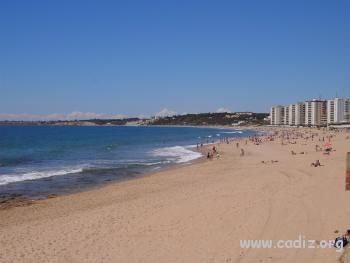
<point x="14" y="199"/>
<point x="199" y="211"/>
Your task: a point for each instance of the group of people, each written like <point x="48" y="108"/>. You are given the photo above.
<point x="212" y="153"/>
<point x="290" y="137"/>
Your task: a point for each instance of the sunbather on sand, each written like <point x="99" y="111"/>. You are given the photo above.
<point x="316" y="163"/>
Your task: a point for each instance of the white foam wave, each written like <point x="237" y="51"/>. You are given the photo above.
<point x="6" y="179"/>
<point x="150" y="164"/>
<point x="177" y="154"/>
<point x="191" y="146"/>
<point x="232" y="132"/>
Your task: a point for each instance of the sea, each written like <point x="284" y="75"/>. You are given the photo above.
<point x="37" y="161"/>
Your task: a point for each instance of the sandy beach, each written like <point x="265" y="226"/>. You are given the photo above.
<point x="197" y="212"/>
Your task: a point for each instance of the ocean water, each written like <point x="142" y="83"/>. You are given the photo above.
<point x="39" y="160"/>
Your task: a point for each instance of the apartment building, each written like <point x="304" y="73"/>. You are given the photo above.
<point x="286" y="115"/>
<point x="277" y="115"/>
<point x="312" y="113"/>
<point x="347" y="111"/>
<point x="316" y="113"/>
<point x="338" y="111"/>
<point x="296" y="114"/>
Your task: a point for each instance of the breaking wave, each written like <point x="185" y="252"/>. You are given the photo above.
<point x="177" y="154"/>
<point x="6" y="179"/>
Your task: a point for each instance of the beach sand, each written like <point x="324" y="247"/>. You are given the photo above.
<point x="194" y="213"/>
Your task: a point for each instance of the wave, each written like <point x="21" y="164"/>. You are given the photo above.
<point x="6" y="179"/>
<point x="85" y="169"/>
<point x="177" y="154"/>
<point x="233" y="132"/>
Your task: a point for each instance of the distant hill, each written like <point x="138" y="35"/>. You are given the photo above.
<point x="92" y="122"/>
<point x="200" y="119"/>
<point x="236" y="118"/>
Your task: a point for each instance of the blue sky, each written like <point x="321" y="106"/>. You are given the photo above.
<point x="138" y="57"/>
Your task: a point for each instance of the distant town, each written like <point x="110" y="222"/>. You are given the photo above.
<point x="312" y="113"/>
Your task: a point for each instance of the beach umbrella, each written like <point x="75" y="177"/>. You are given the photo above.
<point x="328" y="145"/>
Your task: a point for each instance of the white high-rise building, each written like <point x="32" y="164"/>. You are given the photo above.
<point x="312" y="113"/>
<point x="286" y="115"/>
<point x="315" y="113"/>
<point x="338" y="111"/>
<point x="277" y="115"/>
<point x="347" y="111"/>
<point x="297" y="114"/>
<point x="291" y="114"/>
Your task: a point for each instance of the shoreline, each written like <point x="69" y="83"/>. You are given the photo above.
<point x="16" y="200"/>
<point x="198" y="211"/>
<point x="11" y="201"/>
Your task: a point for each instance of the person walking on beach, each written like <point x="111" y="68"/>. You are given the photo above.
<point x="242" y="152"/>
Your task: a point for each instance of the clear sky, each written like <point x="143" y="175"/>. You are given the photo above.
<point x="138" y="57"/>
